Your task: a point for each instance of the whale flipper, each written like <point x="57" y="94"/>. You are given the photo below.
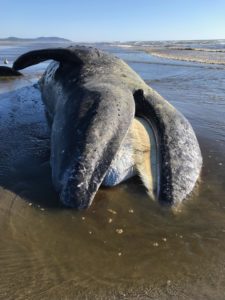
<point x="37" y="56"/>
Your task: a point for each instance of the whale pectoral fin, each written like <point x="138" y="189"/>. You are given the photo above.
<point x="92" y="135"/>
<point x="37" y="56"/>
<point x="180" y="159"/>
<point x="7" y="71"/>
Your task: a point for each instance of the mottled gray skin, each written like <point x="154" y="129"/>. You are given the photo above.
<point x="91" y="98"/>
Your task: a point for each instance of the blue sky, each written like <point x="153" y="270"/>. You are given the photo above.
<point x="124" y="20"/>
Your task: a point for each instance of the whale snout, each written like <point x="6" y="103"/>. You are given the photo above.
<point x="78" y="189"/>
<point x="74" y="195"/>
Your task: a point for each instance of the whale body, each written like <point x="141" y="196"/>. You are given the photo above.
<point x="99" y="109"/>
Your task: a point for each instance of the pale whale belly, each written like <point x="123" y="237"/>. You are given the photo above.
<point x="136" y="156"/>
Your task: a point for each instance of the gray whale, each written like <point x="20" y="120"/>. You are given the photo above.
<point x="91" y="98"/>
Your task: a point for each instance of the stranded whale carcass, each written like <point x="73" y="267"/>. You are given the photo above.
<point x="107" y="125"/>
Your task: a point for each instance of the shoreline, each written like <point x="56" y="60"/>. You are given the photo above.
<point x="162" y="53"/>
<point x="188" y="54"/>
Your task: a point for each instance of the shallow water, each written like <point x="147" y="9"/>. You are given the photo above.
<point x="125" y="246"/>
<point x="203" y="51"/>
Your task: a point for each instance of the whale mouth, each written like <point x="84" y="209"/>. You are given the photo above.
<point x="150" y="161"/>
<point x="138" y="155"/>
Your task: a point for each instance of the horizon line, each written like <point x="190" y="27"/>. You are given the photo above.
<point x="111" y="41"/>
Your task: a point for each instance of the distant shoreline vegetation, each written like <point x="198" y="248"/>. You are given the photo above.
<point x="39" y="39"/>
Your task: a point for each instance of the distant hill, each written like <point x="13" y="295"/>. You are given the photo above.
<point x="39" y="39"/>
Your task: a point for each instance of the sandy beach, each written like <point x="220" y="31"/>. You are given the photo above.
<point x="125" y="246"/>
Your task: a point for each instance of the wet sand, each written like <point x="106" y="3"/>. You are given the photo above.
<point x="125" y="246"/>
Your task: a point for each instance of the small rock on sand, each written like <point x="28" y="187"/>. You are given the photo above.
<point x="112" y="211"/>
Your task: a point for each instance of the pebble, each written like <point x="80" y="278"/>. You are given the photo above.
<point x="156" y="244"/>
<point x="220" y="164"/>
<point x="119" y="253"/>
<point x="42" y="209"/>
<point x="168" y="282"/>
<point x="119" y="230"/>
<point x="90" y="232"/>
<point x="30" y="204"/>
<point x="131" y="211"/>
<point x="83" y="218"/>
<point x="110" y="220"/>
<point x="112" y="211"/>
<point x="164" y="239"/>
